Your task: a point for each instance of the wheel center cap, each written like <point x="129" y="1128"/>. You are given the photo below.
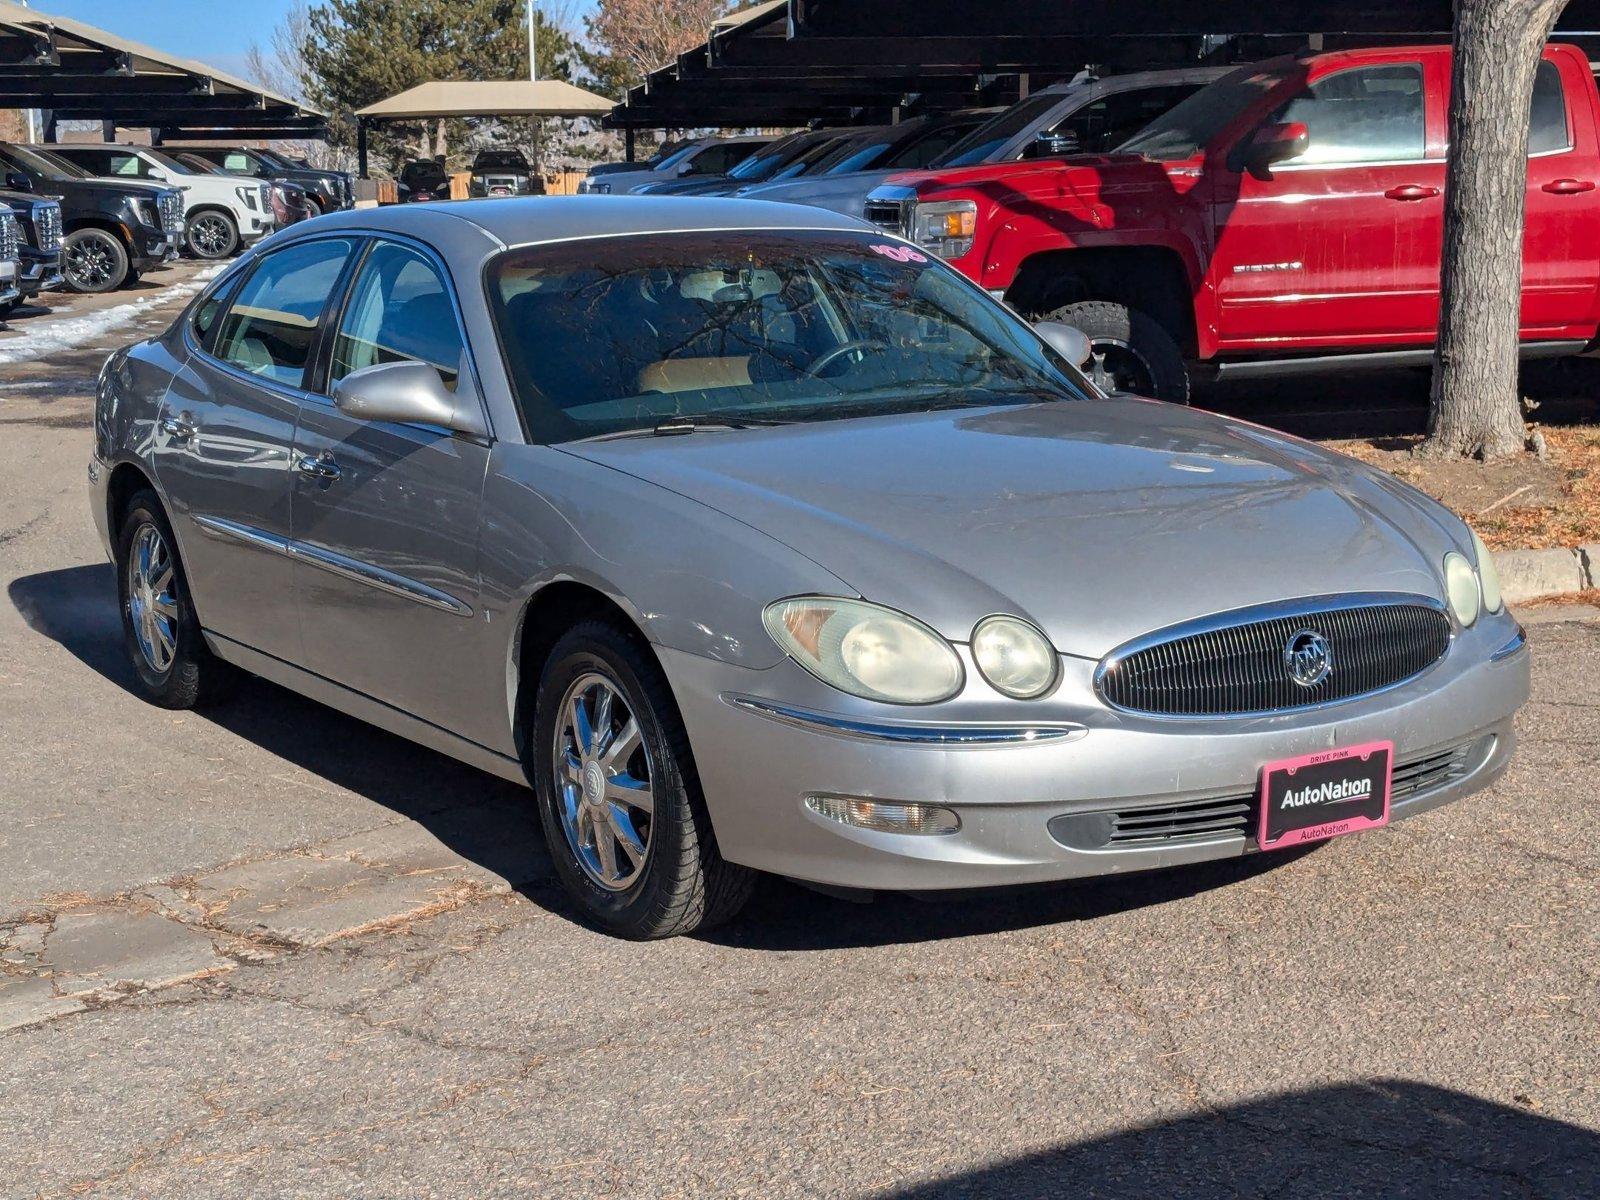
<point x="594" y="783"/>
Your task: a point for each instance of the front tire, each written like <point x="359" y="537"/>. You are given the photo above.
<point x="172" y="664"/>
<point x="94" y="261"/>
<point x="619" y="797"/>
<point x="212" y="235"/>
<point x="1133" y="354"/>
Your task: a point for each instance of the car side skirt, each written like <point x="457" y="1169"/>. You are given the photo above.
<point x="365" y="708"/>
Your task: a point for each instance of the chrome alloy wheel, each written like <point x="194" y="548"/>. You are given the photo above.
<point x="603" y="777"/>
<point x="90" y="262"/>
<point x="151" y="599"/>
<point x="210" y="235"/>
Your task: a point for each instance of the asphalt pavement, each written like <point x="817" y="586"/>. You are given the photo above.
<point x="269" y="951"/>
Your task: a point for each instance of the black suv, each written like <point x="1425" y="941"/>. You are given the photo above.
<point x="504" y="173"/>
<point x="39" y="245"/>
<point x="114" y="229"/>
<point x="330" y="191"/>
<point x="423" y="180"/>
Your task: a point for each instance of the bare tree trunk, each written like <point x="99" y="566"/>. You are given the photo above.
<point x="1476" y="409"/>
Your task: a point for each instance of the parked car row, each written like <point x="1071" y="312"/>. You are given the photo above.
<point x="1280" y="217"/>
<point x="93" y="218"/>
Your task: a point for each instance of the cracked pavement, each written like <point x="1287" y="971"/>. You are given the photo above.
<point x="269" y="951"/>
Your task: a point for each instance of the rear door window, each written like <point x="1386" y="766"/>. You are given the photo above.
<point x="271" y="328"/>
<point x="1548" y="133"/>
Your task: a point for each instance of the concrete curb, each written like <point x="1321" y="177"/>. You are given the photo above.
<point x="1530" y="574"/>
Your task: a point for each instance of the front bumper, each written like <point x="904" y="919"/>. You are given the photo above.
<point x="10" y="280"/>
<point x="756" y="770"/>
<point x="153" y="247"/>
<point x="40" y="272"/>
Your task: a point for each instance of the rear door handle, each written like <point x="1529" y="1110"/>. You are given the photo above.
<point x="1411" y="191"/>
<point x="178" y="429"/>
<point x="320" y="467"/>
<point x="1569" y="187"/>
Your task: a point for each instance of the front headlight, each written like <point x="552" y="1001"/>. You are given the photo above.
<point x="1014" y="657"/>
<point x="868" y="651"/>
<point x="1488" y="576"/>
<point x="148" y="211"/>
<point x="947" y="227"/>
<point x="1461" y="587"/>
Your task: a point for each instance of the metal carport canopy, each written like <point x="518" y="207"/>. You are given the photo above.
<point x="77" y="72"/>
<point x="836" y="61"/>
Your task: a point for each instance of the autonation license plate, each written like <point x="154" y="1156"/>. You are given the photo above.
<point x="1324" y="795"/>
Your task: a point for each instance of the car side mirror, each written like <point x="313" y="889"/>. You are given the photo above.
<point x="1055" y="144"/>
<point x="1066" y="340"/>
<point x="18" y="182"/>
<point x="1273" y="144"/>
<point x="409" y="393"/>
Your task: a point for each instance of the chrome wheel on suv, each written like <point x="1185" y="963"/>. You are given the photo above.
<point x="603" y="775"/>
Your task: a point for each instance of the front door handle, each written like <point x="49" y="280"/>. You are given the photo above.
<point x="179" y="429"/>
<point x="320" y="467"/>
<point x="1569" y="187"/>
<point x="1411" y="191"/>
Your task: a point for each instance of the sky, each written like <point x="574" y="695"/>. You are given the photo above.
<point x="216" y="32"/>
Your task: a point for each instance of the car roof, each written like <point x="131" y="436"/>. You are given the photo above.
<point x="520" y="221"/>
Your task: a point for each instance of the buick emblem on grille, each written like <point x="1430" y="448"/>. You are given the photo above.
<point x="1308" y="658"/>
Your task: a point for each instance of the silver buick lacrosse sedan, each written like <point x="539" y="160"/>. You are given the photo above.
<point x="753" y="539"/>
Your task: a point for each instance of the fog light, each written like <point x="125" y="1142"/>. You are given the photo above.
<point x="885" y="817"/>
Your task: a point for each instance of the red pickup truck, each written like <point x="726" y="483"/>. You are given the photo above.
<point x="1287" y="218"/>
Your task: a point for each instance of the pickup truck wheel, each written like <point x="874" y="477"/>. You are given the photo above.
<point x="212" y="234"/>
<point x="1133" y="354"/>
<point x="94" y="261"/>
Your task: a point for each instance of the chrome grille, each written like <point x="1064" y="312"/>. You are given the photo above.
<point x="10" y="238"/>
<point x="1237" y="666"/>
<point x="885" y="214"/>
<point x="47" y="227"/>
<point x="170" y="205"/>
<point x="1238" y="816"/>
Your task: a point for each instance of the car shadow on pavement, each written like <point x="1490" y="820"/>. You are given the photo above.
<point x="484" y="819"/>
<point x="1381" y="1137"/>
<point x="495" y="824"/>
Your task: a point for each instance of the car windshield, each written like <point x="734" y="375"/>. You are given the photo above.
<point x="629" y="334"/>
<point x="673" y="159"/>
<point x="764" y="162"/>
<point x="1184" y="131"/>
<point x="42" y="162"/>
<point x="415" y="174"/>
<point x="501" y="160"/>
<point x="194" y="162"/>
<point x="987" y="139"/>
<point x="271" y="159"/>
<point x="167" y="161"/>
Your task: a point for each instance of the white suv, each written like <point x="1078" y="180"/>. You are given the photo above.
<point x="222" y="213"/>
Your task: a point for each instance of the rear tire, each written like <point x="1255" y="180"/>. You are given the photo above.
<point x="94" y="261"/>
<point x="172" y="664"/>
<point x="212" y="235"/>
<point x="1133" y="354"/>
<point x="680" y="882"/>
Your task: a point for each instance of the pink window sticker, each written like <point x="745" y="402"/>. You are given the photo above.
<point x="903" y="254"/>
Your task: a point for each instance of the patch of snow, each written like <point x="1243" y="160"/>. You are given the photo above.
<point x="72" y="333"/>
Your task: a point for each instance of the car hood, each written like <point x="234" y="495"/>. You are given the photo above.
<point x="128" y="187"/>
<point x="1098" y="520"/>
<point x="840" y="193"/>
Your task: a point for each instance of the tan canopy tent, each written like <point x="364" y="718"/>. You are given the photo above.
<point x="477" y="98"/>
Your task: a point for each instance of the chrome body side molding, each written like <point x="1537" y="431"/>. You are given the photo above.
<point x="339" y="564"/>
